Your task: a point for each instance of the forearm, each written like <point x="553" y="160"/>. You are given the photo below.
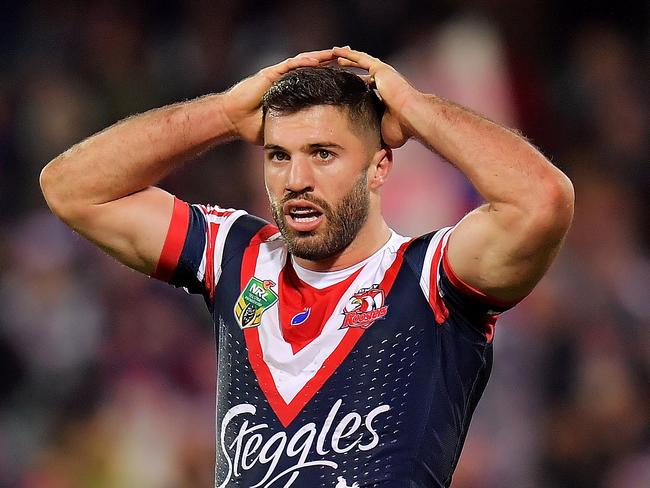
<point x="508" y="172"/>
<point x="134" y="153"/>
<point x="503" y="247"/>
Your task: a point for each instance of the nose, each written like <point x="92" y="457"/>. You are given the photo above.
<point x="301" y="176"/>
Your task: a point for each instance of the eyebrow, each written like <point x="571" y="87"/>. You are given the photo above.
<point x="268" y="147"/>
<point x="309" y="147"/>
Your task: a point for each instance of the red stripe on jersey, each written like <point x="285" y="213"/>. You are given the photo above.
<point x="174" y="241"/>
<point x="211" y="233"/>
<point x="288" y="412"/>
<point x="352" y="336"/>
<point x="216" y="211"/>
<point x="294" y="294"/>
<point x="251" y="336"/>
<point x="440" y="310"/>
<point x="391" y="273"/>
<point x="249" y="260"/>
<point x="264" y="234"/>
<point x="490" y="325"/>
<point x="468" y="289"/>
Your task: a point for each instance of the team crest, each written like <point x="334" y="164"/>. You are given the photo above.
<point x="256" y="298"/>
<point x="364" y="307"/>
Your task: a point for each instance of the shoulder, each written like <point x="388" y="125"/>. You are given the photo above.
<point x="425" y="250"/>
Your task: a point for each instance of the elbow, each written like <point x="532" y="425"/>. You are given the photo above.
<point x="56" y="194"/>
<point x="553" y="212"/>
<point x="49" y="188"/>
<point x="47" y="183"/>
<point x="562" y="202"/>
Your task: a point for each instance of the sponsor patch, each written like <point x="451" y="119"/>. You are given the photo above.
<point x="364" y="307"/>
<point x="254" y="300"/>
<point x="301" y="317"/>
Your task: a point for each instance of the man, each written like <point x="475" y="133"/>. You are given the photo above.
<point x="347" y="354"/>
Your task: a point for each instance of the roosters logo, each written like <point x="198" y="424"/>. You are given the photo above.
<point x="364" y="307"/>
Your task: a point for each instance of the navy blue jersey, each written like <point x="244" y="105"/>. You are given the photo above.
<point x="364" y="377"/>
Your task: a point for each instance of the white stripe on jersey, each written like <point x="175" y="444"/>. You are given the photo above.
<point x="225" y="223"/>
<point x="425" y="274"/>
<point x="291" y="372"/>
<point x="445" y="238"/>
<point x="323" y="279"/>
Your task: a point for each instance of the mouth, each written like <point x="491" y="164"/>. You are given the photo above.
<point x="302" y="215"/>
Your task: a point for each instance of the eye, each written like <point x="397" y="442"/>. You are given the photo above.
<point x="323" y="154"/>
<point x="278" y="156"/>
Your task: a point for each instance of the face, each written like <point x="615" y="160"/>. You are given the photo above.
<point x="315" y="170"/>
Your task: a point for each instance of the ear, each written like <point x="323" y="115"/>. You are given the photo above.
<point x="380" y="167"/>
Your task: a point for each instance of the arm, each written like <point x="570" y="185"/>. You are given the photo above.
<point x="102" y="186"/>
<point x="506" y="245"/>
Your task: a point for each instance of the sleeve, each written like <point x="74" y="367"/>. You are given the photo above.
<point x="194" y="248"/>
<point x="449" y="296"/>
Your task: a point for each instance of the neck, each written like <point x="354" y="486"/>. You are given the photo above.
<point x="372" y="236"/>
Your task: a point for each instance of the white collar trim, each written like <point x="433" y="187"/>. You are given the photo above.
<point x="323" y="279"/>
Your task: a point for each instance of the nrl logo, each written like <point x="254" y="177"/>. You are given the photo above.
<point x="253" y="302"/>
<point x="364" y="307"/>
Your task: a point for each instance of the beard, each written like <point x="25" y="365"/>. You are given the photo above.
<point x="341" y="224"/>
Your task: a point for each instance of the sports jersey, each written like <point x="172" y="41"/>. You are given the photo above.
<point x="363" y="377"/>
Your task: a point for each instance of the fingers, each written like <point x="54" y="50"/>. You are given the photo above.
<point x="274" y="72"/>
<point x="345" y="57"/>
<point x="322" y="55"/>
<point x="310" y="58"/>
<point x="352" y="58"/>
<point x="346" y="63"/>
<point x="369" y="80"/>
<point x="298" y="62"/>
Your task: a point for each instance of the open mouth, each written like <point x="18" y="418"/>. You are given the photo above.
<point x="303" y="216"/>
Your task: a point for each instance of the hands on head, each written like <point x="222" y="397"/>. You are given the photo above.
<point x="243" y="105"/>
<point x="243" y="102"/>
<point x="391" y="86"/>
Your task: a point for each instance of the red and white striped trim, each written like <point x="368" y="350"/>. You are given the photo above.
<point x="429" y="275"/>
<point x="290" y="380"/>
<point x="218" y="222"/>
<point x="174" y="241"/>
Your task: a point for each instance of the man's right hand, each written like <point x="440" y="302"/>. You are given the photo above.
<point x="242" y="103"/>
<point x="103" y="186"/>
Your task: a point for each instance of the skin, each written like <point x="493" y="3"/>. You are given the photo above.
<point x="505" y="246"/>
<point x="314" y="153"/>
<point x="102" y="187"/>
<point x="341" y="222"/>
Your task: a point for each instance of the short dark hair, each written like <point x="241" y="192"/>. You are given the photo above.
<point x="307" y="87"/>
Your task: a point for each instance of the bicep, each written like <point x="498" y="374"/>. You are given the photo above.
<point x="502" y="257"/>
<point x="132" y="229"/>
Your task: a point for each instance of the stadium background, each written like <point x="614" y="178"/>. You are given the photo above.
<point x="106" y="377"/>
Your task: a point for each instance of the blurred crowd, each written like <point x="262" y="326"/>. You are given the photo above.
<point x="107" y="377"/>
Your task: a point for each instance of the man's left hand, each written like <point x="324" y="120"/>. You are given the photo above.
<point x="392" y="87"/>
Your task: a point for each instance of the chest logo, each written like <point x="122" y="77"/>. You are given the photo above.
<point x="256" y="298"/>
<point x="364" y="307"/>
<point x="301" y="317"/>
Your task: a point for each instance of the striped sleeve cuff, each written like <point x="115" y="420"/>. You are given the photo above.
<point x="174" y="242"/>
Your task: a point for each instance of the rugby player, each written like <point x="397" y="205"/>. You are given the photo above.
<point x="348" y="355"/>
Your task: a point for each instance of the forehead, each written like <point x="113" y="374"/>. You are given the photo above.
<point x="310" y="125"/>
